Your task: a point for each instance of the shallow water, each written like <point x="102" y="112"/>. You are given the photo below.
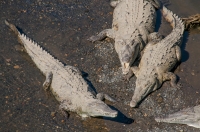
<point x="63" y="27"/>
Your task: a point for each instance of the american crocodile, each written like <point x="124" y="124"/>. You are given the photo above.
<point x="159" y="57"/>
<point x="189" y="116"/>
<point x="66" y="82"/>
<point x="191" y="21"/>
<point x="133" y="21"/>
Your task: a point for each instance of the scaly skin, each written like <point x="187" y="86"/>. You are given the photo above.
<point x="158" y="59"/>
<point x="66" y="82"/>
<point x="189" y="116"/>
<point x="133" y="21"/>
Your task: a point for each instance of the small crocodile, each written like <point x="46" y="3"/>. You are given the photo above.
<point x="159" y="57"/>
<point x="189" y="116"/>
<point x="66" y="82"/>
<point x="191" y="21"/>
<point x="133" y="21"/>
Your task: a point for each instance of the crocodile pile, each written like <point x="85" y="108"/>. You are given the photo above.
<point x="133" y="31"/>
<point x="159" y="57"/>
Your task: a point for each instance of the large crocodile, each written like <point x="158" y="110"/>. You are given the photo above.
<point x="133" y="21"/>
<point x="66" y="82"/>
<point x="159" y="57"/>
<point x="189" y="116"/>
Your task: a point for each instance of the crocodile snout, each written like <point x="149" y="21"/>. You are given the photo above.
<point x="125" y="68"/>
<point x="113" y="114"/>
<point x="133" y="103"/>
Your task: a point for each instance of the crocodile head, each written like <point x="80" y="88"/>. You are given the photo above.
<point x="127" y="51"/>
<point x="144" y="86"/>
<point x="179" y="117"/>
<point x="189" y="116"/>
<point x="98" y="108"/>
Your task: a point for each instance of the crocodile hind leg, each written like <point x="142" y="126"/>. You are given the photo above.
<point x="178" y="53"/>
<point x="114" y="3"/>
<point x="102" y="96"/>
<point x="48" y="80"/>
<point x="105" y="33"/>
<point x="172" y="77"/>
<point x="156" y="3"/>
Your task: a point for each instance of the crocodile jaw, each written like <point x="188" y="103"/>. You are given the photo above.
<point x="99" y="108"/>
<point x="125" y="67"/>
<point x="144" y="86"/>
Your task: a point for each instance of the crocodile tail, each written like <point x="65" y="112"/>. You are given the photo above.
<point x="172" y="18"/>
<point x="14" y="29"/>
<point x="176" y="35"/>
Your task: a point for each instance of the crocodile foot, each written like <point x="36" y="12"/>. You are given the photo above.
<point x="63" y="111"/>
<point x="126" y="77"/>
<point x="176" y="85"/>
<point x="48" y="80"/>
<point x="93" y="39"/>
<point x="102" y="96"/>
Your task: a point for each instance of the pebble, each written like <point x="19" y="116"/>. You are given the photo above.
<point x="8" y="60"/>
<point x="145" y="115"/>
<point x="16" y="67"/>
<point x="53" y="114"/>
<point x="193" y="73"/>
<point x="160" y="99"/>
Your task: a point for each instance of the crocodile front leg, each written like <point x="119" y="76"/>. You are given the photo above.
<point x="105" y="33"/>
<point x="133" y="70"/>
<point x="102" y="96"/>
<point x="114" y="3"/>
<point x="48" y="80"/>
<point x="172" y="77"/>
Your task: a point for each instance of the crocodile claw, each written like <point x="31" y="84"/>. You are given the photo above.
<point x="102" y="96"/>
<point x="126" y="77"/>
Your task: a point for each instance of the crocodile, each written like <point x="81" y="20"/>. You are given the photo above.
<point x="159" y="57"/>
<point x="66" y="82"/>
<point x="189" y="116"/>
<point x="192" y="21"/>
<point x="133" y="21"/>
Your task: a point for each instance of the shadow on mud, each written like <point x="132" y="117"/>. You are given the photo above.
<point x="184" y="53"/>
<point x="158" y="20"/>
<point x="159" y="14"/>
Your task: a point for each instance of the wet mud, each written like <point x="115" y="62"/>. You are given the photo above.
<point x="62" y="27"/>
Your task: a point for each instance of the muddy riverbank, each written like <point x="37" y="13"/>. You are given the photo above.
<point x="63" y="27"/>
